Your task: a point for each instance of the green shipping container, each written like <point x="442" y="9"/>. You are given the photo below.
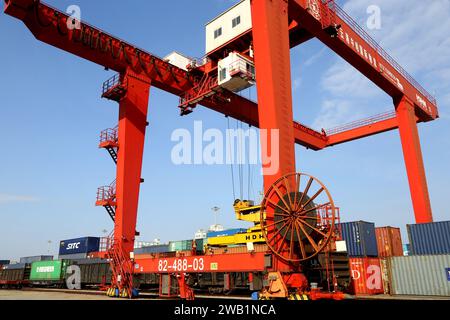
<point x="48" y="270"/>
<point x="183" y="245"/>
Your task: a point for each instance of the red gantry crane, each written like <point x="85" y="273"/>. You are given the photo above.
<point x="290" y="223"/>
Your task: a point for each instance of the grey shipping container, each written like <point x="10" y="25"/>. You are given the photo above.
<point x="15" y="266"/>
<point x="75" y="256"/>
<point x="13" y="272"/>
<point x="360" y="239"/>
<point x="35" y="259"/>
<point x="152" y="249"/>
<point x="427" y="275"/>
<point x="93" y="272"/>
<point x="429" y="238"/>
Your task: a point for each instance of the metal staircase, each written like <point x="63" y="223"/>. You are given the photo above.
<point x="106" y="197"/>
<point x="122" y="271"/>
<point x="109" y="140"/>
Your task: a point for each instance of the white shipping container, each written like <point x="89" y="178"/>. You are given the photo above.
<point x="420" y="275"/>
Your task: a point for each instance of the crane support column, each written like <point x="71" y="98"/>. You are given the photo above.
<point x="272" y="62"/>
<point x="412" y="153"/>
<point x="132" y="125"/>
<point x="273" y="72"/>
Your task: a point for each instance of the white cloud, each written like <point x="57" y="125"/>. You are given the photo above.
<point x="415" y="33"/>
<point x="342" y="80"/>
<point x="9" y="198"/>
<point x="335" y="112"/>
<point x="315" y="57"/>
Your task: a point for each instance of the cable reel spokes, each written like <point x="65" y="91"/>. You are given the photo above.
<point x="293" y="223"/>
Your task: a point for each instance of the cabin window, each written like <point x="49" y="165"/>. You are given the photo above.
<point x="236" y="21"/>
<point x="217" y="33"/>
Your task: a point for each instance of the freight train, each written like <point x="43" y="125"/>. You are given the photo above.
<point x="96" y="274"/>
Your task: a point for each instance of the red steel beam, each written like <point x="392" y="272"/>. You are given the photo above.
<point x="272" y="60"/>
<point x="242" y="262"/>
<point x="49" y="25"/>
<point x="132" y="125"/>
<point x="413" y="160"/>
<point x="362" y="132"/>
<point x="362" y="128"/>
<point x="355" y="46"/>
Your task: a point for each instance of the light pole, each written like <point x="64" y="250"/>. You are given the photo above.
<point x="49" y="242"/>
<point x="216" y="213"/>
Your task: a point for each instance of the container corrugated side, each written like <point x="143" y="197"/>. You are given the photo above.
<point x="389" y="242"/>
<point x="79" y="245"/>
<point x="75" y="256"/>
<point x="35" y="258"/>
<point x="429" y="238"/>
<point x="152" y="249"/>
<point x="181" y="245"/>
<point x="223" y="233"/>
<point x="48" y="270"/>
<point x="15" y="266"/>
<point x="367" y="278"/>
<point x="360" y="238"/>
<point x="427" y="275"/>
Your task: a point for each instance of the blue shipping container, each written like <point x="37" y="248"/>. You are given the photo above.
<point x="360" y="239"/>
<point x="80" y="245"/>
<point x="3" y="262"/>
<point x="429" y="238"/>
<point x="228" y="232"/>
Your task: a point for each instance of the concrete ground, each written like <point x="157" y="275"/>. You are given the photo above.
<point x="48" y="295"/>
<point x="51" y="294"/>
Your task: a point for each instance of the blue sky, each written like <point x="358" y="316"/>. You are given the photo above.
<point x="52" y="114"/>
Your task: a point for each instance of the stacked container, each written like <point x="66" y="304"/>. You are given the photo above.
<point x="182" y="245"/>
<point x="35" y="258"/>
<point x="367" y="278"/>
<point x="360" y="239"/>
<point x="152" y="249"/>
<point x="3" y="262"/>
<point x="389" y="242"/>
<point x="223" y="233"/>
<point x="361" y="243"/>
<point x="78" y="248"/>
<point x="429" y="238"/>
<point x="424" y="275"/>
<point x="48" y="271"/>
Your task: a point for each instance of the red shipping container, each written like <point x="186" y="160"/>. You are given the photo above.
<point x="389" y="242"/>
<point x="367" y="276"/>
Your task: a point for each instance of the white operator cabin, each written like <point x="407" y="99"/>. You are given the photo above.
<point x="235" y="72"/>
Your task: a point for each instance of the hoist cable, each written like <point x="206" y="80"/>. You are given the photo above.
<point x="231" y="162"/>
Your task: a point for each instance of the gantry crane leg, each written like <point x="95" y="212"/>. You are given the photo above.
<point x="272" y="60"/>
<point x="132" y="125"/>
<point x="407" y="122"/>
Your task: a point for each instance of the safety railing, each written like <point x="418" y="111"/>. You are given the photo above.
<point x="304" y="128"/>
<point x="360" y="123"/>
<point x="107" y="193"/>
<point x="113" y="82"/>
<point x="363" y="34"/>
<point x="109" y="135"/>
<point x="242" y="67"/>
